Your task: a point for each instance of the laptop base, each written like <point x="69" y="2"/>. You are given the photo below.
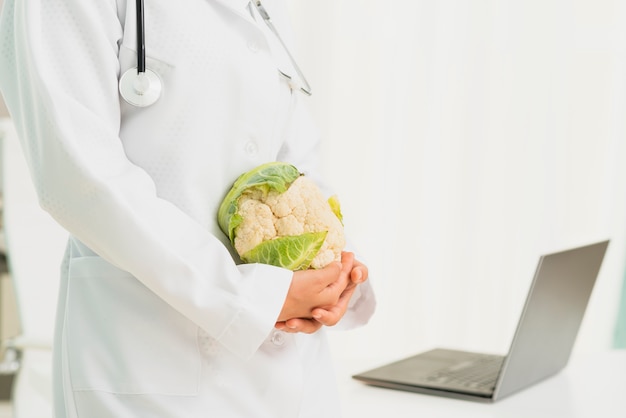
<point x="440" y="372"/>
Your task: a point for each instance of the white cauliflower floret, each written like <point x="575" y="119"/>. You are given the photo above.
<point x="275" y="215"/>
<point x="257" y="225"/>
<point x="301" y="208"/>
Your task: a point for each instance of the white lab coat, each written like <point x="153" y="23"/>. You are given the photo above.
<point x="155" y="318"/>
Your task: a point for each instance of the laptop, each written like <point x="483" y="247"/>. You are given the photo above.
<point x="541" y="346"/>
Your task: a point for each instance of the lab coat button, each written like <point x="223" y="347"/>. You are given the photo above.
<point x="212" y="349"/>
<point x="278" y="338"/>
<point x="251" y="148"/>
<point x="253" y="46"/>
<point x="209" y="346"/>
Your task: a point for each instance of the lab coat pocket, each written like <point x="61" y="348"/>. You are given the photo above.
<point x="123" y="338"/>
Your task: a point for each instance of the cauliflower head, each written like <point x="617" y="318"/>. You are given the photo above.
<point x="275" y="215"/>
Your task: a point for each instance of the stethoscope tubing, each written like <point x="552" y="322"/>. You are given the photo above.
<point x="141" y="87"/>
<point x="305" y="87"/>
<point x="141" y="38"/>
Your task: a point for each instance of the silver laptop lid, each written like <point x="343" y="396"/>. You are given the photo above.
<point x="551" y="316"/>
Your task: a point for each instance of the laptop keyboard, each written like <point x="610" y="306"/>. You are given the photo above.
<point x="480" y="373"/>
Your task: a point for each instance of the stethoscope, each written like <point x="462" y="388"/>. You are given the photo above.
<point x="142" y="87"/>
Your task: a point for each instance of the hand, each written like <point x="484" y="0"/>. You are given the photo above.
<point x="328" y="316"/>
<point x="310" y="289"/>
<point x="331" y="314"/>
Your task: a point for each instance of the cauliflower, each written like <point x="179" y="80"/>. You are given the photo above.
<point x="275" y="215"/>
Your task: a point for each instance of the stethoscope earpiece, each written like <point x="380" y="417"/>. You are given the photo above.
<point x="141" y="89"/>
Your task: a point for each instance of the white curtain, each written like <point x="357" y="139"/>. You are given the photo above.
<point x="465" y="139"/>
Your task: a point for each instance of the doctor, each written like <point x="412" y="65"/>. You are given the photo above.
<point x="155" y="318"/>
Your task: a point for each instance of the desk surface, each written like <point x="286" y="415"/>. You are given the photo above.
<point x="590" y="386"/>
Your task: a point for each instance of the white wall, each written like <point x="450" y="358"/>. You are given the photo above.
<point x="465" y="139"/>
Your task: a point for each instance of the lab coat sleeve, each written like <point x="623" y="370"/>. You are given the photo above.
<point x="58" y="73"/>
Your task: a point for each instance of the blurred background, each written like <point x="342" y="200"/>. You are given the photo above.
<point x="464" y="140"/>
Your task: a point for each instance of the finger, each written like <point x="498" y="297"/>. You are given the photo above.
<point x="328" y="316"/>
<point x="322" y="278"/>
<point x="331" y="315"/>
<point x="347" y="260"/>
<point x="307" y="326"/>
<point x="358" y="274"/>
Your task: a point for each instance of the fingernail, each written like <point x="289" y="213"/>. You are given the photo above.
<point x="317" y="315"/>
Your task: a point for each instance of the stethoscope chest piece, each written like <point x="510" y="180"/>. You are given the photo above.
<point x="141" y="89"/>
